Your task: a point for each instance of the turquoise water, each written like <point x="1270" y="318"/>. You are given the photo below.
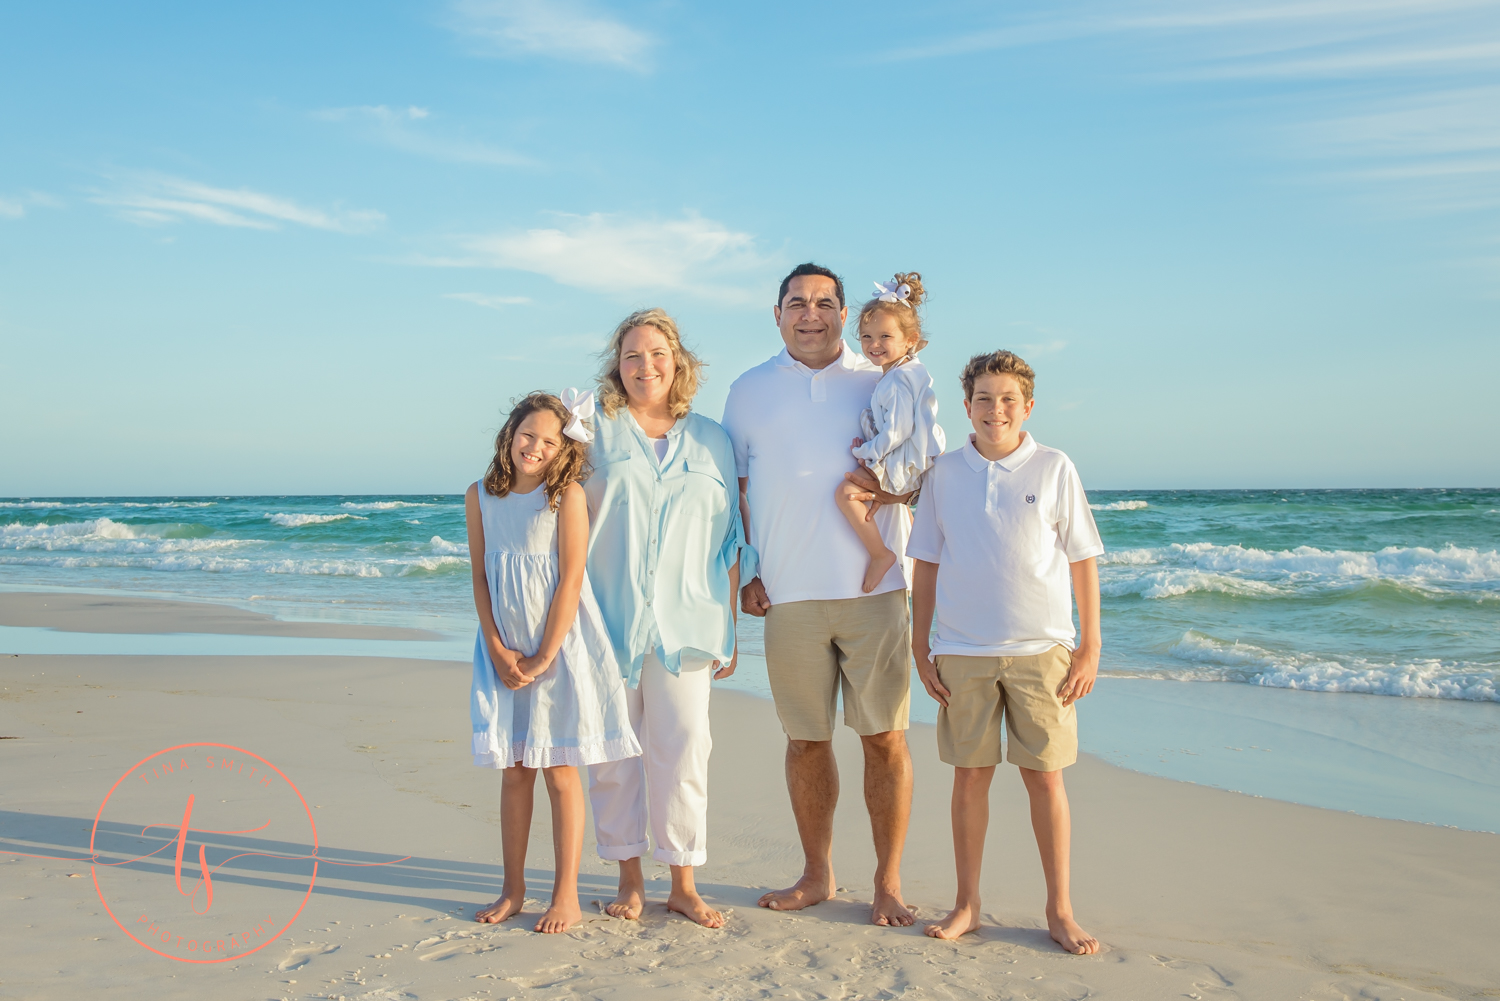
<point x="1352" y="591"/>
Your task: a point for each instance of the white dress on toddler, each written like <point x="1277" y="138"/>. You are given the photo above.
<point x="900" y="427"/>
<point x="575" y="712"/>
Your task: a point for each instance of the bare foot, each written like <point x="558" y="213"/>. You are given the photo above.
<point x="691" y="906"/>
<point x="806" y="892"/>
<point x="627" y="905"/>
<point x="960" y="921"/>
<point x="507" y="906"/>
<point x="888" y="910"/>
<point x="876" y="571"/>
<point x="1066" y="933"/>
<point x="561" y="916"/>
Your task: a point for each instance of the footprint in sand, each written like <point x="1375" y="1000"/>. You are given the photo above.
<point x="301" y="955"/>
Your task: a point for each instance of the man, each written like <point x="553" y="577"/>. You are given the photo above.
<point x="792" y="420"/>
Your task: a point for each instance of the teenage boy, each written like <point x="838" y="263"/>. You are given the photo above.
<point x="1002" y="525"/>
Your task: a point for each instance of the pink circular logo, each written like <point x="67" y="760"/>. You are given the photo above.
<point x="204" y="853"/>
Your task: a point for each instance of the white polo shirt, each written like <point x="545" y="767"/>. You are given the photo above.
<point x="792" y="428"/>
<point x="1002" y="534"/>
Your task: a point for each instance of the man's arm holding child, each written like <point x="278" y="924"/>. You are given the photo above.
<point x="923" y="603"/>
<point x="1085" y="668"/>
<point x="866" y="481"/>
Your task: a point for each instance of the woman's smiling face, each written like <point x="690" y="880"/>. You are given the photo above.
<point x="647" y="366"/>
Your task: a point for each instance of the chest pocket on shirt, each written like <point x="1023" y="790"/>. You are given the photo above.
<point x="608" y="484"/>
<point x="700" y="492"/>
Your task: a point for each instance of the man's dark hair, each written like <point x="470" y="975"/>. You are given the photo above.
<point x="812" y="269"/>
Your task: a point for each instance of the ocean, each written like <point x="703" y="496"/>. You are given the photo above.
<point x="1342" y="594"/>
<point x="1386" y="592"/>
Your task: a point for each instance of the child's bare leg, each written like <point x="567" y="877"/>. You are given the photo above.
<point x="971" y="819"/>
<point x="566" y="792"/>
<point x="881" y="558"/>
<point x="684" y="899"/>
<point x="517" y="786"/>
<point x="1053" y="826"/>
<point x="630" y="900"/>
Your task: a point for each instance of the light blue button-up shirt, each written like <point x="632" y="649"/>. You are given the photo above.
<point x="663" y="535"/>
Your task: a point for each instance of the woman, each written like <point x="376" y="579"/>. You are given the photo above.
<point x="663" y="559"/>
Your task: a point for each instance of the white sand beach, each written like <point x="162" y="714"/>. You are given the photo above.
<point x="1195" y="892"/>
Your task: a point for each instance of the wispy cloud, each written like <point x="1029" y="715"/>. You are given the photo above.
<point x="563" y="29"/>
<point x="1316" y="38"/>
<point x="407" y="129"/>
<point x="489" y="301"/>
<point x="617" y="254"/>
<point x="1399" y="99"/>
<point x="14" y="207"/>
<point x="153" y="200"/>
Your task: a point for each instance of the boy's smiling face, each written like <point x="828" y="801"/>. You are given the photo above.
<point x="997" y="409"/>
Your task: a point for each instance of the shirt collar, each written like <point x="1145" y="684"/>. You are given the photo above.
<point x="672" y="432"/>
<point x="1010" y="463"/>
<point x="847" y="359"/>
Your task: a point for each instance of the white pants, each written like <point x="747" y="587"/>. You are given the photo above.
<point x="669" y="781"/>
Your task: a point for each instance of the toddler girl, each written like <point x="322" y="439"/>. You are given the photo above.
<point x="901" y="436"/>
<point x="560" y="702"/>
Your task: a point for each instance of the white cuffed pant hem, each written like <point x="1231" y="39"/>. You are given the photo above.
<point x="680" y="858"/>
<point x="621" y="853"/>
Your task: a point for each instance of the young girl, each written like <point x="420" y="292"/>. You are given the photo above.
<point x="901" y="436"/>
<point x="560" y="702"/>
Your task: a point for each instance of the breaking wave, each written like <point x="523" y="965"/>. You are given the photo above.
<point x="1419" y="678"/>
<point x="300" y="520"/>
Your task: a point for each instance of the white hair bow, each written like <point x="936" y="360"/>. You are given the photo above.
<point x="891" y="292"/>
<point x="581" y="407"/>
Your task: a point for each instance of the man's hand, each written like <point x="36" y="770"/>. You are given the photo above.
<point x="927" y="671"/>
<point x="1081" y="675"/>
<point x="753" y="600"/>
<point x="865" y="480"/>
<point x="722" y="671"/>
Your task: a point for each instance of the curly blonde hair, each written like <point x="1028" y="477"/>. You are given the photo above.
<point x="905" y="311"/>
<point x="612" y="394"/>
<point x="571" y="464"/>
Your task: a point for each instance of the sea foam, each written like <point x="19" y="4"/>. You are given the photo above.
<point x="1124" y="505"/>
<point x="446" y="548"/>
<point x="1300" y="567"/>
<point x="382" y="505"/>
<point x="300" y="520"/>
<point x="1420" y="678"/>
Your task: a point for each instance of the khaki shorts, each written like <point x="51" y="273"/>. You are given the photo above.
<point x="1022" y="690"/>
<point x="813" y="648"/>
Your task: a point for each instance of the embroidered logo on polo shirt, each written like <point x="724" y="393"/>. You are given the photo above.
<point x="1031" y="498"/>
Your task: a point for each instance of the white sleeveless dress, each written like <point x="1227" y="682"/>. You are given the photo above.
<point x="574" y="713"/>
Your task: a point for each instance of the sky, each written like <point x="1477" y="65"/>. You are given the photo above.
<point x="318" y="248"/>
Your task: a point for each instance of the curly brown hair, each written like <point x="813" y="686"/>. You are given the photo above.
<point x="998" y="363"/>
<point x="689" y="368"/>
<point x="904" y="312"/>
<point x="571" y="464"/>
